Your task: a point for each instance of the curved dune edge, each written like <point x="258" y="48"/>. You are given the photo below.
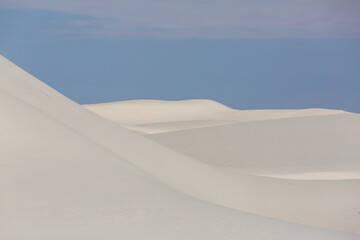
<point x="196" y="143"/>
<point x="313" y="147"/>
<point x="158" y="116"/>
<point x="153" y="128"/>
<point x="336" y="175"/>
<point x="48" y="200"/>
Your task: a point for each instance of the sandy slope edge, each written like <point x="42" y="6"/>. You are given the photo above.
<point x="213" y="185"/>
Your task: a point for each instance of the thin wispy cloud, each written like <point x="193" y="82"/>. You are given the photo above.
<point x="208" y="18"/>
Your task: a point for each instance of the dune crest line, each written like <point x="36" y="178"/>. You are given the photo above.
<point x="65" y="166"/>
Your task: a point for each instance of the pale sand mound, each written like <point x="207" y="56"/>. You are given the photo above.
<point x="155" y="111"/>
<point x="162" y="127"/>
<point x="68" y="174"/>
<point x="309" y="144"/>
<point x="320" y="147"/>
<point x="236" y="147"/>
<point x="155" y="116"/>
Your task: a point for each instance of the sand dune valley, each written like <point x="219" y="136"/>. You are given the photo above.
<point x="193" y="169"/>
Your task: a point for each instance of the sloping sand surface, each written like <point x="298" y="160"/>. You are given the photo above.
<point x="323" y="144"/>
<point x="155" y="116"/>
<point x="161" y="127"/>
<point x="67" y="173"/>
<point x="310" y="144"/>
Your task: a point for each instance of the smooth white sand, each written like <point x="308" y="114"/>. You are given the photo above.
<point x="285" y="146"/>
<point x="67" y="173"/>
<point x="308" y="144"/>
<point x="155" y="116"/>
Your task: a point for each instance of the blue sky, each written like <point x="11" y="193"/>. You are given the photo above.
<point x="245" y="54"/>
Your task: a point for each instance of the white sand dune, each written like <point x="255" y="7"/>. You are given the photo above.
<point x="324" y="146"/>
<point x="310" y="144"/>
<point x="67" y="173"/>
<point x="155" y="116"/>
<point x="329" y="143"/>
<point x="162" y="127"/>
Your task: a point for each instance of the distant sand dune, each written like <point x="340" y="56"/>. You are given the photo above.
<point x="312" y="144"/>
<point x="309" y="144"/>
<point x="67" y="173"/>
<point x="338" y="175"/>
<point x="155" y="116"/>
